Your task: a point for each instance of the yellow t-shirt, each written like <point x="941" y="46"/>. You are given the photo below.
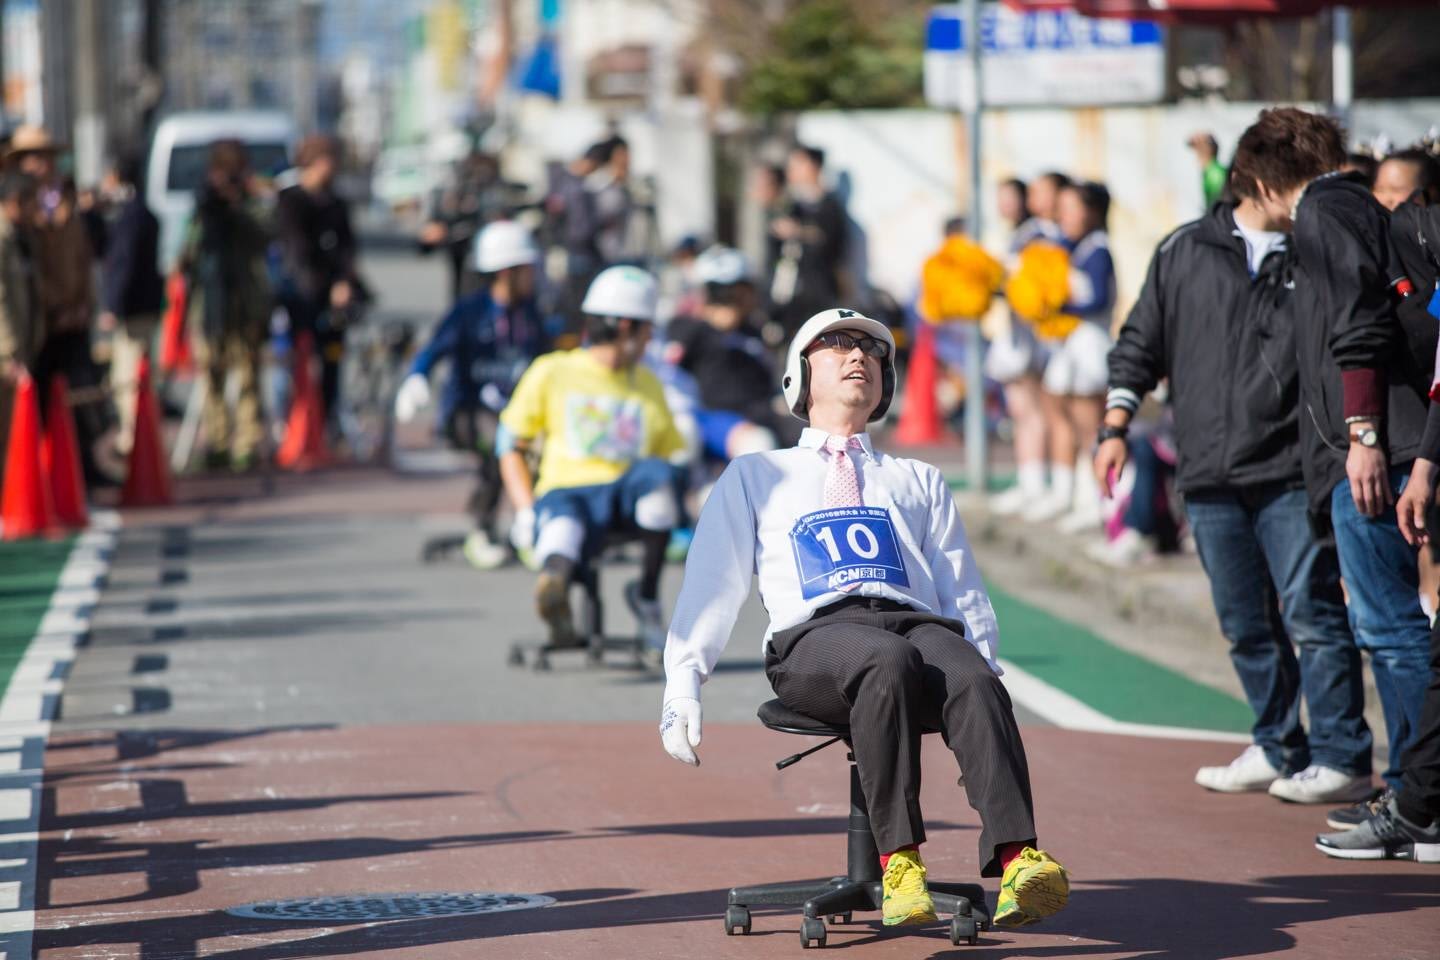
<point x="596" y="421"/>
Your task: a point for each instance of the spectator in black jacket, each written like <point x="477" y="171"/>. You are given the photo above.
<point x="131" y="291"/>
<point x="1364" y="382"/>
<point x="812" y="235"/>
<point x="318" y="251"/>
<point x="1216" y="317"/>
<point x="1405" y="824"/>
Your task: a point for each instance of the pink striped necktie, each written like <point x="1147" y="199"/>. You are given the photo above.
<point x="842" y="484"/>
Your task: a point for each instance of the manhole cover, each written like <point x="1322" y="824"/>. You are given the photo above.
<point x="390" y="906"/>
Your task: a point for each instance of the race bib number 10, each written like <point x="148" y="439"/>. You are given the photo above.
<point x="849" y="545"/>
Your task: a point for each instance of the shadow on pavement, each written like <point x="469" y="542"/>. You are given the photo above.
<point x="791" y="827"/>
<point x="1159" y="918"/>
<point x="1198" y="920"/>
<point x="139" y="744"/>
<point x="166" y="800"/>
<point x="173" y="869"/>
<point x="178" y="938"/>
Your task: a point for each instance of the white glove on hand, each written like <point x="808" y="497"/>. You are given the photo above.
<point x="680" y="729"/>
<point x="413" y="394"/>
<point x="522" y="529"/>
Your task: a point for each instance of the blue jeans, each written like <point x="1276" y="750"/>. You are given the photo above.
<point x="1275" y="587"/>
<point x="1382" y="574"/>
<point x="609" y="508"/>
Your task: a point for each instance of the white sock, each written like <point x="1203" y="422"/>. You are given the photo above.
<point x="1030" y="477"/>
<point x="1087" y="490"/>
<point x="1062" y="482"/>
<point x="560" y="537"/>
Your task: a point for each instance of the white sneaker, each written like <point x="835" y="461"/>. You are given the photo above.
<point x="1084" y="520"/>
<point x="1009" y="502"/>
<point x="1317" y="784"/>
<point x="1128" y="549"/>
<point x="482" y="552"/>
<point x="1047" y="507"/>
<point x="1249" y="771"/>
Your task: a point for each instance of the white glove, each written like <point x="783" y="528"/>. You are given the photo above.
<point x="680" y="729"/>
<point x="413" y="394"/>
<point x="522" y="529"/>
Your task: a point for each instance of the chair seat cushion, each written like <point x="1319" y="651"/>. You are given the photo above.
<point x="777" y="716"/>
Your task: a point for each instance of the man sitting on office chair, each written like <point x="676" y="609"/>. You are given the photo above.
<point x="879" y="618"/>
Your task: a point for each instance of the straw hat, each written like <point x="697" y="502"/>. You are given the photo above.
<point x="30" y="138"/>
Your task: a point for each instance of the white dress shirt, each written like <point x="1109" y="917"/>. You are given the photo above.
<point x="906" y="543"/>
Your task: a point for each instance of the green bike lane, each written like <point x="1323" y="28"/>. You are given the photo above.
<point x="29" y="574"/>
<point x="1114" y="682"/>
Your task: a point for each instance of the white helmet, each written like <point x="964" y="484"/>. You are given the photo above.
<point x="722" y="265"/>
<point x="628" y="293"/>
<point x="796" y="383"/>
<point x="504" y="243"/>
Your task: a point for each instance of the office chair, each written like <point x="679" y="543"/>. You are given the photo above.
<point x="859" y="889"/>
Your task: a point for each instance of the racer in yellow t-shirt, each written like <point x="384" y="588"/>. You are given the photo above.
<point x="605" y="463"/>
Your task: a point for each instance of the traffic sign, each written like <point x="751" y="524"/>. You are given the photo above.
<point x="1043" y="58"/>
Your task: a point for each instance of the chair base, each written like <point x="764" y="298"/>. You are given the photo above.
<point x="591" y="621"/>
<point x="839" y="898"/>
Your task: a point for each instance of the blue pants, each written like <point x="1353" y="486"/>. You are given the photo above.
<point x="1273" y="586"/>
<point x="608" y="508"/>
<point x="715" y="427"/>
<point x="1382" y="574"/>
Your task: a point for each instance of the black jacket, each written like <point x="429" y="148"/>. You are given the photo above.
<point x="732" y="370"/>
<point x="1348" y="320"/>
<point x="130" y="282"/>
<point x="316" y="243"/>
<point x="1226" y="343"/>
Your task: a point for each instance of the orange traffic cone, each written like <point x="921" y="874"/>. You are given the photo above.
<point x="147" y="481"/>
<point x="60" y="458"/>
<point x="304" y="445"/>
<point x="174" y="343"/>
<point x="25" y="509"/>
<point x="920" y="417"/>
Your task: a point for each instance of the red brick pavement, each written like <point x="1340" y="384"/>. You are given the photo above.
<point x="147" y="838"/>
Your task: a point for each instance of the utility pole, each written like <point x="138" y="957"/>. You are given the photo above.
<point x="976" y="435"/>
<point x="90" y="65"/>
<point x="152" y="67"/>
<point x="1342" y="66"/>
<point x="56" y="52"/>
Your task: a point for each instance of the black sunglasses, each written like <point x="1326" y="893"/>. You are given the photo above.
<point x="845" y="342"/>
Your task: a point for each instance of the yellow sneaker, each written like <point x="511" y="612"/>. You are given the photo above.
<point x="1034" y="887"/>
<point x="907" y="899"/>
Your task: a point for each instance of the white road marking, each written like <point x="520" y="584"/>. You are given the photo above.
<point x="1060" y="708"/>
<point x="26" y="710"/>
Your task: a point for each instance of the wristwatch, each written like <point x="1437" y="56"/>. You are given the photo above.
<point x="1365" y="436"/>
<point x="1111" y="432"/>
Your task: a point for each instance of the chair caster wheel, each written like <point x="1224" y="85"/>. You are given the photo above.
<point x="964" y="930"/>
<point x="542" y="663"/>
<point x="737" y="921"/>
<point x="812" y="932"/>
<point x="595" y="654"/>
<point x="516" y="657"/>
<point x="839" y="918"/>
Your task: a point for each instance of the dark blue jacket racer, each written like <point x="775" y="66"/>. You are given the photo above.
<point x="488" y="347"/>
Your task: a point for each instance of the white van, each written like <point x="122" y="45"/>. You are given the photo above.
<point x="181" y="150"/>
